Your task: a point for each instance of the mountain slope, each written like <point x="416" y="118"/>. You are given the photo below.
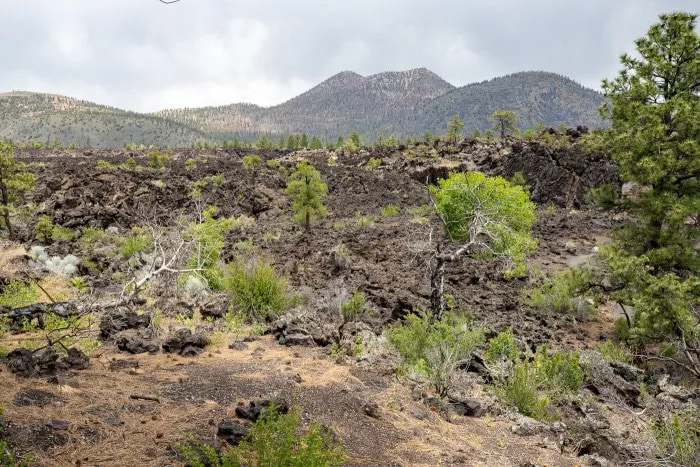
<point x="345" y="102"/>
<point x="404" y="103"/>
<point x="26" y="116"/>
<point x="535" y="96"/>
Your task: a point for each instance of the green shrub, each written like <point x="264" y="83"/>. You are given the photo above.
<point x="139" y="239"/>
<point x="157" y="160"/>
<point x="255" y="287"/>
<point x="502" y="348"/>
<point x="559" y="372"/>
<point x="60" y="233"/>
<point x="104" y="165"/>
<point x="612" y="352"/>
<point x="273" y="441"/>
<point x="44" y="229"/>
<point x="560" y="292"/>
<point x="373" y="163"/>
<point x="130" y="163"/>
<point x="18" y="294"/>
<point x="353" y="308"/>
<point x="435" y="349"/>
<point x="390" y="210"/>
<point x="91" y="236"/>
<point x="218" y="179"/>
<point x="364" y="222"/>
<point x="251" y="161"/>
<point x="605" y="196"/>
<point x="521" y="390"/>
<point x="678" y="438"/>
<point x="190" y="164"/>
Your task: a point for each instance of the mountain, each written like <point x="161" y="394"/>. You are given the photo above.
<point x="535" y="96"/>
<point x="28" y="116"/>
<point x="344" y="102"/>
<point x="403" y="102"/>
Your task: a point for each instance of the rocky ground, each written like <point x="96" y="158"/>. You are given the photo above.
<point x="70" y="411"/>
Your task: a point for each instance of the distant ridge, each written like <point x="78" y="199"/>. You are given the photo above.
<point x="400" y="102"/>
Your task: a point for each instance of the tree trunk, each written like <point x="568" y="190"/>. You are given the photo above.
<point x="307" y="223"/>
<point x="4" y="199"/>
<point x="437" y="288"/>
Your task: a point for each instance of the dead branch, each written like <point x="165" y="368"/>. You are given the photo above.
<point x="145" y="397"/>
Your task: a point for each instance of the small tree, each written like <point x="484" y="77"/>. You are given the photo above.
<point x="316" y="143"/>
<point x="503" y="122"/>
<point x="483" y="217"/>
<point x="454" y="129"/>
<point x="15" y="180"/>
<point x="355" y="138"/>
<point x="307" y="192"/>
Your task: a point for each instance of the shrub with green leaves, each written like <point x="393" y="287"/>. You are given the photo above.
<point x="255" y="287"/>
<point x="158" y="160"/>
<point x="562" y="292"/>
<point x="273" y="441"/>
<point x="91" y="237"/>
<point x="44" y="229"/>
<point x="352" y="309"/>
<point x="308" y="193"/>
<point x="612" y="352"/>
<point x="251" y="161"/>
<point x="435" y="349"/>
<point x="678" y="437"/>
<point x="373" y="163"/>
<point x="18" y="294"/>
<point x="529" y="384"/>
<point x="390" y="210"/>
<point x="139" y="239"/>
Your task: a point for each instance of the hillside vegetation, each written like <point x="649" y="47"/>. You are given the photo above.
<point x="403" y="103"/>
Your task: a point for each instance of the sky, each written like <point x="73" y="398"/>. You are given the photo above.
<point x="144" y="55"/>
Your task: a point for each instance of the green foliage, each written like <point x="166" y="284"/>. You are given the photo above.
<point x="373" y="163"/>
<point x="130" y="163"/>
<point x="273" y="441"/>
<point x="561" y="293"/>
<point x="44" y="229"/>
<point x="503" y="122"/>
<point x="91" y="237"/>
<point x="502" y="348"/>
<point x="15" y="181"/>
<point x="190" y="164"/>
<point x="139" y="239"/>
<point x="308" y="193"/>
<point x="355" y="138"/>
<point x="255" y="287"/>
<point x="530" y="384"/>
<point x="218" y="179"/>
<point x="654" y="108"/>
<point x="363" y="221"/>
<point x="500" y="211"/>
<point x="678" y="437"/>
<point x="353" y="308"/>
<point x="10" y="459"/>
<point x="80" y="284"/>
<point x="18" y="294"/>
<point x="605" y="196"/>
<point x="390" y="210"/>
<point x="158" y="160"/>
<point x="251" y="161"/>
<point x="208" y="235"/>
<point x="105" y="165"/>
<point x="62" y="234"/>
<point x="612" y="352"/>
<point x="454" y="129"/>
<point x="435" y="349"/>
<point x="316" y="143"/>
<point x="519" y="179"/>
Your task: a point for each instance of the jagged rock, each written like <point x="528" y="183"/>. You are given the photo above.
<point x="352" y="334"/>
<point x="526" y="426"/>
<point x="28" y="363"/>
<point x="629" y="373"/>
<point x="257" y="408"/>
<point x="305" y="331"/>
<point x="372" y="409"/>
<point x="466" y="406"/>
<point x="232" y="431"/>
<point x="136" y="341"/>
<point x="115" y="321"/>
<point x="214" y="306"/>
<point x="76" y="360"/>
<point x="674" y="391"/>
<point x="183" y="341"/>
<point x="603" y="380"/>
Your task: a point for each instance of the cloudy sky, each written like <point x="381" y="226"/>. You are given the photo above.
<point x="144" y="55"/>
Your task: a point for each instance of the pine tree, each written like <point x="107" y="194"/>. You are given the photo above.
<point x="454" y="129"/>
<point x="308" y="193"/>
<point x="503" y="122"/>
<point x="15" y="180"/>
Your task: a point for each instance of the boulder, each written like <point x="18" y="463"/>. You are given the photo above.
<point x="258" y="407"/>
<point x="120" y="319"/>
<point x="136" y="341"/>
<point x="232" y="431"/>
<point x="185" y="343"/>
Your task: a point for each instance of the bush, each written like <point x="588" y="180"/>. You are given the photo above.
<point x="612" y="352"/>
<point x="559" y="293"/>
<point x="157" y="160"/>
<point x="139" y="239"/>
<point x="353" y="308"/>
<point x="91" y="236"/>
<point x="373" y="163"/>
<point x="251" y="161"/>
<point x="44" y="229"/>
<point x="605" y="196"/>
<point x="273" y="441"/>
<point x="390" y="210"/>
<point x="678" y="437"/>
<point x="435" y="349"/>
<point x="18" y="294"/>
<point x="255" y="287"/>
<point x="528" y="384"/>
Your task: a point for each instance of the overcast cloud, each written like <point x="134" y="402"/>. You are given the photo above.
<point x="144" y="55"/>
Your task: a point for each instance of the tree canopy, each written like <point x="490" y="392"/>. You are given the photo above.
<point x="15" y="180"/>
<point x="308" y="193"/>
